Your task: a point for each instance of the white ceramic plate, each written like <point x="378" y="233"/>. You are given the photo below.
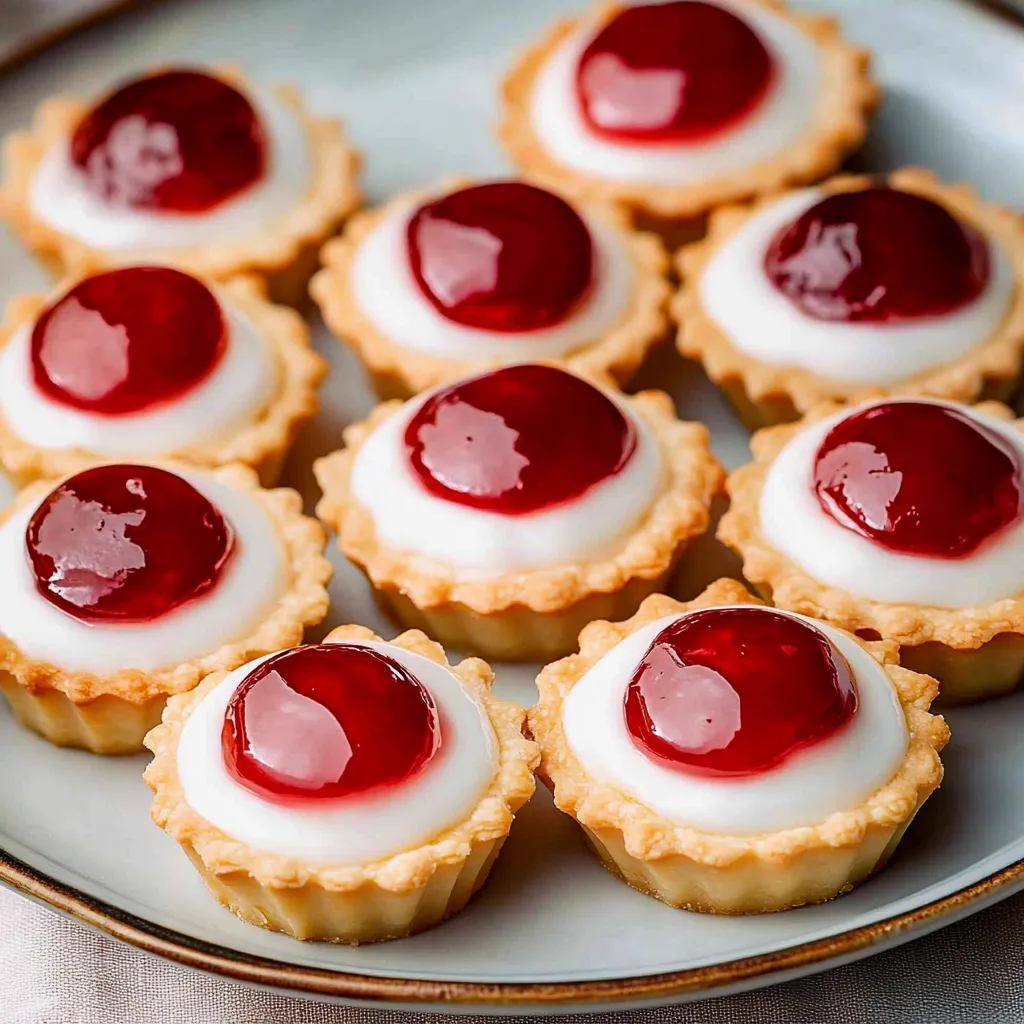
<point x="416" y="82"/>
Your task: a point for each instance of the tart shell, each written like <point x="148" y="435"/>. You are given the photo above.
<point x="399" y="372"/>
<point x="764" y="394"/>
<point x="848" y="95"/>
<point x="283" y="252"/>
<point x="110" y="714"/>
<point x="722" y="874"/>
<point x="387" y="899"/>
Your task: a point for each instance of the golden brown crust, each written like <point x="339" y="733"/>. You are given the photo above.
<point x="996" y="360"/>
<point x="619" y="351"/>
<point x="333" y="194"/>
<point x="792" y="588"/>
<point x="303" y="603"/>
<point x="650" y="837"/>
<point x="847" y="96"/>
<point x="678" y="514"/>
<point x="512" y="785"/>
<point x="261" y="445"/>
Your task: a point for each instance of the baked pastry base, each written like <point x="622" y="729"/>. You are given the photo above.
<point x="723" y="874"/>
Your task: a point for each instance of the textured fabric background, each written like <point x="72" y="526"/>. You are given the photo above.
<point x="56" y="971"/>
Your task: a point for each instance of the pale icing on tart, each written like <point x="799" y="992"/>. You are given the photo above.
<point x="732" y="758"/>
<point x="854" y="288"/>
<point x="200" y="168"/>
<point x="673" y="108"/>
<point x="127" y="582"/>
<point x="901" y="519"/>
<point x="503" y="510"/>
<point x="435" y="285"/>
<point x="354" y="790"/>
<point x="151" y="361"/>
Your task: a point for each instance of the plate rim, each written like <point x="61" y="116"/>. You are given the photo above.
<point x="213" y="958"/>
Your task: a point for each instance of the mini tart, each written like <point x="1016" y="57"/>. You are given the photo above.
<point x="974" y="652"/>
<point x="398" y="371"/>
<point x="283" y="251"/>
<point x="111" y="712"/>
<point x="535" y="613"/>
<point x="352" y="903"/>
<point x="846" y="98"/>
<point x="262" y="444"/>
<point x="764" y="394"/>
<point x="719" y="873"/>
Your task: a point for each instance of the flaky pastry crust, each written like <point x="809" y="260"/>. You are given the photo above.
<point x="303" y="603"/>
<point x="490" y="821"/>
<point x="263" y="444"/>
<point x="650" y="838"/>
<point x="272" y="250"/>
<point x="847" y="97"/>
<point x="771" y="393"/>
<point x="399" y="371"/>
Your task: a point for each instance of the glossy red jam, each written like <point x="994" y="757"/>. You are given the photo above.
<point x="517" y="440"/>
<point x="177" y="142"/>
<point x="920" y="478"/>
<point x="876" y="256"/>
<point x="126" y="543"/>
<point x="506" y="256"/>
<point x="735" y="691"/>
<point x="672" y="73"/>
<point x="127" y="340"/>
<point x="328" y="721"/>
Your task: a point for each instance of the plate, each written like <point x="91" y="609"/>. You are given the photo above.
<point x="552" y="931"/>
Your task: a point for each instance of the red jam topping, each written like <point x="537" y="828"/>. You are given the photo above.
<point x="876" y="256"/>
<point x="177" y="142"/>
<point x="672" y="72"/>
<point x="735" y="691"/>
<point x="127" y="340"/>
<point x="126" y="543"/>
<point x="518" y="440"/>
<point x="332" y="720"/>
<point x="501" y="257"/>
<point x="920" y="478"/>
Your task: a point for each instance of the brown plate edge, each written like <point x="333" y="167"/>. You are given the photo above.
<point x="214" y="959"/>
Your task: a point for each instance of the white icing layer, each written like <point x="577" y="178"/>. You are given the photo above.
<point x="766" y="325"/>
<point x="837" y="774"/>
<point x="354" y="830"/>
<point x="481" y="544"/>
<point x="230" y="397"/>
<point x="59" y="198"/>
<point x="389" y="296"/>
<point x="785" y="114"/>
<point x="794" y="523"/>
<point x="254" y="578"/>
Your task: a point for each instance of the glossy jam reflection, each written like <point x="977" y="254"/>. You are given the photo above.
<point x="919" y="477"/>
<point x="876" y="256"/>
<point x="328" y="721"/>
<point x="672" y="72"/>
<point x="518" y="440"/>
<point x="179" y="142"/>
<point x="505" y="256"/>
<point x="126" y="543"/>
<point x="735" y="691"/>
<point x="127" y="340"/>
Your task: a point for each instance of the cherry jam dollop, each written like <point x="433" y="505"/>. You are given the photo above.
<point x="736" y="691"/>
<point x="920" y="478"/>
<point x="878" y="255"/>
<point x="328" y="721"/>
<point x="177" y="142"/>
<point x="678" y="72"/>
<point x="127" y="340"/>
<point x="126" y="543"/>
<point x="518" y="440"/>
